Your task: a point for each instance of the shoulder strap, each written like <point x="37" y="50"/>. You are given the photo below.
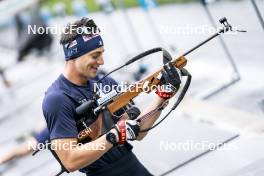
<point x="63" y="169"/>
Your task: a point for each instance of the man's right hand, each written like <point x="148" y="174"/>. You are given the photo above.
<point x="127" y="130"/>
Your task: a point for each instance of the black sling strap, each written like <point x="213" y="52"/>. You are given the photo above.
<point x="63" y="169"/>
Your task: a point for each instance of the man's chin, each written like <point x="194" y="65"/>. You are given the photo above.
<point x="93" y="75"/>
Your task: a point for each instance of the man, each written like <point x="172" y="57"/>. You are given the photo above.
<point x="84" y="55"/>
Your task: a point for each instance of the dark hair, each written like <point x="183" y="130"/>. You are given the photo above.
<point x="72" y="30"/>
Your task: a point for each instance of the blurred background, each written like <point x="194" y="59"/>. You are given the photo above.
<point x="223" y="109"/>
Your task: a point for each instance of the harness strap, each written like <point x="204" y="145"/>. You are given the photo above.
<point x="63" y="169"/>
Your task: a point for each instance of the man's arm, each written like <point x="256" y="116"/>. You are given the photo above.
<point x="75" y="157"/>
<point x="59" y="114"/>
<point x="152" y="119"/>
<point x="171" y="80"/>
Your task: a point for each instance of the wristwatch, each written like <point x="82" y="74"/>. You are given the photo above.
<point x="110" y="137"/>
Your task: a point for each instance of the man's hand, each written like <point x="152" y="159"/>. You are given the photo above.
<point x="170" y="82"/>
<point x="171" y="75"/>
<point x="127" y="130"/>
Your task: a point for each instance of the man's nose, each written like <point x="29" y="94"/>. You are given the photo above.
<point x="100" y="61"/>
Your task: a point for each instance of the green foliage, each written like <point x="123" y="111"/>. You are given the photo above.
<point x="92" y="6"/>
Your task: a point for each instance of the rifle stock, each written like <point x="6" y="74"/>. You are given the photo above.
<point x="148" y="83"/>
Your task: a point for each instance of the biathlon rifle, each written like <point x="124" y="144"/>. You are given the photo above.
<point x="114" y="101"/>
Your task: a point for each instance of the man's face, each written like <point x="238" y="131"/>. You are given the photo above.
<point x="88" y="64"/>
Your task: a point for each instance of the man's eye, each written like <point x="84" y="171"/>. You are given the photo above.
<point x="94" y="57"/>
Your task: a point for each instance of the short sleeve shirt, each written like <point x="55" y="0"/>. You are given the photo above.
<point x="59" y="112"/>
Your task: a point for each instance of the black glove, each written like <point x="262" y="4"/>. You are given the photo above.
<point x="171" y="75"/>
<point x="170" y="81"/>
<point x="127" y="130"/>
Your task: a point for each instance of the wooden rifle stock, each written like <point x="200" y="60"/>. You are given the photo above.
<point x="148" y="83"/>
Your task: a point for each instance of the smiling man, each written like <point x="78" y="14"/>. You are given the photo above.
<point x="84" y="55"/>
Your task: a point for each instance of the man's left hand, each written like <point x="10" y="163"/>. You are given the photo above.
<point x="170" y="81"/>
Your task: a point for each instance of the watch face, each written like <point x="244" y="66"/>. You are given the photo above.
<point x="111" y="138"/>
